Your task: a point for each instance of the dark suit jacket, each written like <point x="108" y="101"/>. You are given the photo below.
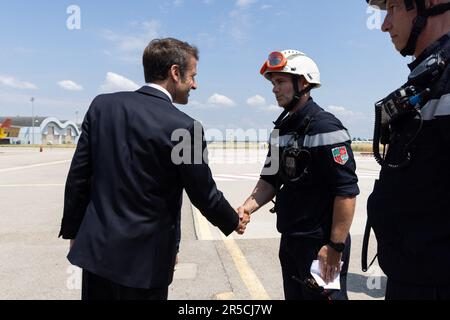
<point x="123" y="193"/>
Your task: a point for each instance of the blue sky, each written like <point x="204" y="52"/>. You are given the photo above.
<point x="65" y="69"/>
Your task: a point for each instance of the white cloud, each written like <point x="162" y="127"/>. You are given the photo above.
<point x="115" y="82"/>
<point x="359" y="122"/>
<point x="337" y="110"/>
<point x="260" y="103"/>
<point x="348" y="117"/>
<point x="195" y="103"/>
<point x="19" y="104"/>
<point x="131" y="42"/>
<point x="342" y="112"/>
<point x="214" y="102"/>
<point x="238" y="26"/>
<point x="244" y="3"/>
<point x="256" y="101"/>
<point x="70" y="85"/>
<point x="266" y="6"/>
<point x="240" y="21"/>
<point x="272" y="108"/>
<point x="219" y="100"/>
<point x="200" y="105"/>
<point x="178" y="3"/>
<point x="17" y="84"/>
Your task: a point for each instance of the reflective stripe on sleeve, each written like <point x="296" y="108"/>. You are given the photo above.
<point x="327" y="139"/>
<point x="436" y="107"/>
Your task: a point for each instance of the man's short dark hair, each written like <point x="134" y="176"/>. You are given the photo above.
<point x="161" y="54"/>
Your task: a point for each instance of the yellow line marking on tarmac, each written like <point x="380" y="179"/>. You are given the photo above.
<point x="34" y="166"/>
<point x="248" y="276"/>
<point x="225" y="296"/>
<point x="203" y="230"/>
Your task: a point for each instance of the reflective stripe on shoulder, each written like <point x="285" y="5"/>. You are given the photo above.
<point x="436" y="107"/>
<point x="327" y="139"/>
<point x="282" y="141"/>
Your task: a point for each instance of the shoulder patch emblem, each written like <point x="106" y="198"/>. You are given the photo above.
<point x="340" y="155"/>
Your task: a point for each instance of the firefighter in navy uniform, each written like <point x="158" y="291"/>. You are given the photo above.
<point x="409" y="209"/>
<point x="315" y="184"/>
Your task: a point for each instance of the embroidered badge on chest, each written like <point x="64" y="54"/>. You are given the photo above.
<point x="340" y="155"/>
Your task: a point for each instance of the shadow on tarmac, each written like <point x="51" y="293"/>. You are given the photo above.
<point x="374" y="287"/>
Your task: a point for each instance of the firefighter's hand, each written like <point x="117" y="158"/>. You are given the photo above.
<point x="244" y="219"/>
<point x="330" y="263"/>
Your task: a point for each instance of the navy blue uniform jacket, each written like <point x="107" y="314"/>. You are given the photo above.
<point x="409" y="208"/>
<point x="124" y="193"/>
<point x="306" y="209"/>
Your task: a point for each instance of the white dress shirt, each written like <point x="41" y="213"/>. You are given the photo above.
<point x="163" y="90"/>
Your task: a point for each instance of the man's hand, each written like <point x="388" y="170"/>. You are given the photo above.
<point x="330" y="263"/>
<point x="244" y="219"/>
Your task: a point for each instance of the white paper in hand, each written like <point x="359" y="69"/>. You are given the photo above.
<point x="315" y="272"/>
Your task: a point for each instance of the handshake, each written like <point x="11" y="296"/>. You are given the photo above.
<point x="244" y="219"/>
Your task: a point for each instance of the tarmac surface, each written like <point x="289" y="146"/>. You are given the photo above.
<point x="33" y="264"/>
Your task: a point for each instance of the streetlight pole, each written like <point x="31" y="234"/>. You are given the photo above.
<point x="32" y="119"/>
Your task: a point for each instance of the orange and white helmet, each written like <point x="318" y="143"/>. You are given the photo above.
<point x="293" y="62"/>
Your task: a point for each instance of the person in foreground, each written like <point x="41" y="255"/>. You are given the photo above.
<point x="123" y="195"/>
<point x="409" y="207"/>
<point x="310" y="170"/>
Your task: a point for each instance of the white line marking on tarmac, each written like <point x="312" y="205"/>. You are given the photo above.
<point x="35" y="166"/>
<point x="252" y="174"/>
<point x="248" y="276"/>
<point x="367" y="174"/>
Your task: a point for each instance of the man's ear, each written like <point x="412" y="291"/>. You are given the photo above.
<point x="303" y="83"/>
<point x="175" y="73"/>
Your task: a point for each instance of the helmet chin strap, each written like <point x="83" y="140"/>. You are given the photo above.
<point x="297" y="96"/>
<point x="297" y="93"/>
<point x="421" y="22"/>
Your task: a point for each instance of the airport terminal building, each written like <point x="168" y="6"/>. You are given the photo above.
<point x="46" y="131"/>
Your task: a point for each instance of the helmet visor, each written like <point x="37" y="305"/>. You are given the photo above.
<point x="277" y="61"/>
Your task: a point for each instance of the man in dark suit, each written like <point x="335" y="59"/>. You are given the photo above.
<point x="123" y="196"/>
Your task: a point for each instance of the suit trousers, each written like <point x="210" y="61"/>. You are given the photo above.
<point x="95" y="287"/>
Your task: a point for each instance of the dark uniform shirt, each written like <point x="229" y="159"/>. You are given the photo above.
<point x="409" y="208"/>
<point x="306" y="207"/>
